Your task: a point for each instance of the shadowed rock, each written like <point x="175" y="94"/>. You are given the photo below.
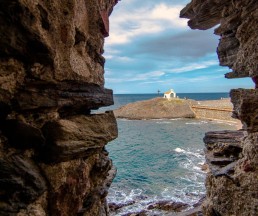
<point x="78" y="136"/>
<point x="21" y="183"/>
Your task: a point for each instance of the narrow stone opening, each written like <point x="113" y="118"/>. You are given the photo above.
<point x="223" y="149"/>
<point x="53" y="157"/>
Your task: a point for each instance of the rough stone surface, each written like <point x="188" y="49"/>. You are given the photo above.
<point x="169" y="206"/>
<point x="52" y="149"/>
<point x="232" y="184"/>
<point x="77" y="136"/>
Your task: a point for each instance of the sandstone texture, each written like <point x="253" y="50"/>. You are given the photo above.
<point x="232" y="156"/>
<point x="52" y="149"/>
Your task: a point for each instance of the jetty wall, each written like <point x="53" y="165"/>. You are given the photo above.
<point x="204" y="112"/>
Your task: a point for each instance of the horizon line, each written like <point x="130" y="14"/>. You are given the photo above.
<point x="177" y="93"/>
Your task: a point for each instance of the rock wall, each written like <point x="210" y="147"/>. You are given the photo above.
<point x="232" y="184"/>
<point x="52" y="149"/>
<point x="212" y="113"/>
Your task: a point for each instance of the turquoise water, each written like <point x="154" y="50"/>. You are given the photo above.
<point x="159" y="160"/>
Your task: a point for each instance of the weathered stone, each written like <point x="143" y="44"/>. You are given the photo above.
<point x="231" y="138"/>
<point x="246" y="107"/>
<point x="52" y="75"/>
<point x="141" y="213"/>
<point x="78" y="98"/>
<point x="203" y="15"/>
<point x="77" y="136"/>
<point x="115" y="206"/>
<point x="169" y="206"/>
<point x="21" y="183"/>
<point x="22" y="135"/>
<point x="37" y="208"/>
<point x="12" y="75"/>
<point x="220" y="161"/>
<point x="77" y="187"/>
<point x="223" y="147"/>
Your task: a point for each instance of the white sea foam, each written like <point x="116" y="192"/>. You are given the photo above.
<point x="124" y="119"/>
<point x="163" y="122"/>
<point x="196" y="123"/>
<point x="179" y="150"/>
<point x="195" y="154"/>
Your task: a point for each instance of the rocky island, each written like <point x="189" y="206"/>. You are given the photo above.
<point x="157" y="108"/>
<point x="161" y="108"/>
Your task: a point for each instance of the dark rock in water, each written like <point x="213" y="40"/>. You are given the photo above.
<point x="169" y="206"/>
<point x="115" y="206"/>
<point x="196" y="211"/>
<point x="199" y="203"/>
<point x="141" y="213"/>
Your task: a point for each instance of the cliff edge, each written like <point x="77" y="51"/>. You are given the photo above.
<point x="232" y="185"/>
<point x="52" y="149"/>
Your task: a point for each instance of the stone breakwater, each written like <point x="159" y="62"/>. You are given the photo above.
<point x="52" y="149"/>
<point x="214" y="110"/>
<point x="160" y="108"/>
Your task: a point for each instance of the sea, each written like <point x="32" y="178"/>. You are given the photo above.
<point x="159" y="160"/>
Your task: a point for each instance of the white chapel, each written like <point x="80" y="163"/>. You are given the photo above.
<point x="170" y="94"/>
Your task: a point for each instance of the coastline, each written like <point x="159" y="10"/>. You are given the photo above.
<point x="160" y="108"/>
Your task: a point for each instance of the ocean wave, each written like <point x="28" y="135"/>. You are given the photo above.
<point x="141" y="202"/>
<point x="196" y="154"/>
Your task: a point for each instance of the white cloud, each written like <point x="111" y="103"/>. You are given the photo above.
<point x="171" y="14"/>
<point x="197" y="79"/>
<point x="194" y="66"/>
<point x="127" y="24"/>
<point x="154" y="75"/>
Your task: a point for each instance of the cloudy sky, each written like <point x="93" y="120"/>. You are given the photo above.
<point x="150" y="48"/>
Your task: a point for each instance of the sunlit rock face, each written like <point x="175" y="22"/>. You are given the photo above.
<point x="232" y="184"/>
<point x="52" y="149"/>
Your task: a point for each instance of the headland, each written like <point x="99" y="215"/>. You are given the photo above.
<point x="161" y="108"/>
